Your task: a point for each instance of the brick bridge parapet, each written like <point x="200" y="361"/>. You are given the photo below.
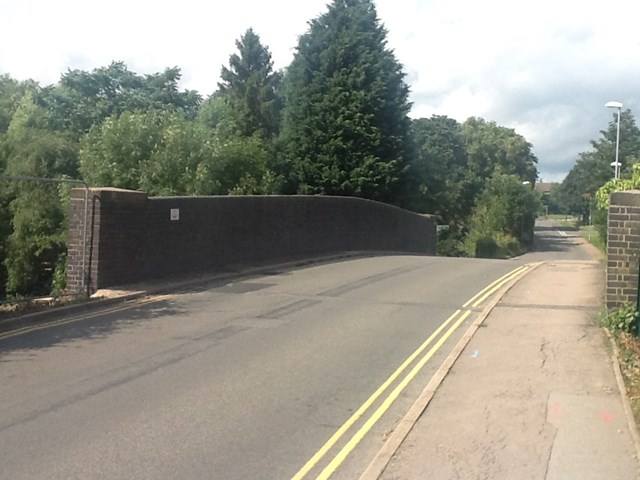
<point x="134" y="237"/>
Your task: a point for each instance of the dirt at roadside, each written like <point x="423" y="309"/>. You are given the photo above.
<point x="629" y="347"/>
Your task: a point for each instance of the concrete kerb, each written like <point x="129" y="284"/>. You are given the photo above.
<point x="393" y="442"/>
<point x="626" y="404"/>
<point x="131" y="292"/>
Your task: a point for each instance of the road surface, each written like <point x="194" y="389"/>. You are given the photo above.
<point x="241" y="380"/>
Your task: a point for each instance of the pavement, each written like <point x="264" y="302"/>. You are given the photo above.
<point x="534" y="392"/>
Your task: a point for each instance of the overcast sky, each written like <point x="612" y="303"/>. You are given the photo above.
<point x="545" y="68"/>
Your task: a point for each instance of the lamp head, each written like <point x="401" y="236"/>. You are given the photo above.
<point x="613" y="105"/>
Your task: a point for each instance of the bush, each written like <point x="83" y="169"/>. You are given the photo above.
<point x="494" y="245"/>
<point x="486" y="247"/>
<point x="622" y="319"/>
<point x="59" y="280"/>
<point x="450" y="244"/>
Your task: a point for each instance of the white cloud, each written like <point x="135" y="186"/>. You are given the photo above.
<point x="545" y="68"/>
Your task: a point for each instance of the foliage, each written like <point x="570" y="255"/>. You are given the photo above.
<point x="613" y="185"/>
<point x="505" y="212"/>
<point x="37" y="240"/>
<point x="82" y="99"/>
<point x="216" y="113"/>
<point x="622" y="319"/>
<point x="592" y="169"/>
<point x="239" y="166"/>
<point x="344" y="131"/>
<point x="59" y="280"/>
<point x="345" y="121"/>
<point x="494" y="149"/>
<point x="441" y="185"/>
<point x="250" y="88"/>
<point x="601" y="207"/>
<point x="167" y="154"/>
<point x="34" y="236"/>
<point x="450" y="244"/>
<point x="497" y="245"/>
<point x="11" y="94"/>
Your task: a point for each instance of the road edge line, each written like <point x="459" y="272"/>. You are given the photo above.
<point x="379" y="463"/>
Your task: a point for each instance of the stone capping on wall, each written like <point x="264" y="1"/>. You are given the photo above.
<point x="134" y="237"/>
<point x="623" y="248"/>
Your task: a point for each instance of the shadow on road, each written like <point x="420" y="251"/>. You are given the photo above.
<point x="544" y="242"/>
<point x="92" y="326"/>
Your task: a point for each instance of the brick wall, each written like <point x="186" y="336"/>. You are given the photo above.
<point x="134" y="237"/>
<point x="623" y="248"/>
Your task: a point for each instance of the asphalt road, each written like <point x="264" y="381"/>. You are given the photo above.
<point x="242" y="380"/>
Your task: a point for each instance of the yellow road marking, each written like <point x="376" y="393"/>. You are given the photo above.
<point x="365" y="406"/>
<point x="498" y="286"/>
<point x="335" y="463"/>
<point x="55" y="323"/>
<point x="492" y="284"/>
<point x="355" y="440"/>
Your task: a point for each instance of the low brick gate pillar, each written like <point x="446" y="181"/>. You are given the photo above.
<point x="623" y="248"/>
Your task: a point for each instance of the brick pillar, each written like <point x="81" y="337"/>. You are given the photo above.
<point x="115" y="220"/>
<point x="77" y="249"/>
<point x="623" y="248"/>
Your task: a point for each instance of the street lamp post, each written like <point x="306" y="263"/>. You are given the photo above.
<point x="616" y="165"/>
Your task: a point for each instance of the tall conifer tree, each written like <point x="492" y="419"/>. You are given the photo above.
<point x="250" y="86"/>
<point x="345" y="126"/>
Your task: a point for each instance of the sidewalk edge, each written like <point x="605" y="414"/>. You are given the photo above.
<point x="626" y="404"/>
<point x="393" y="442"/>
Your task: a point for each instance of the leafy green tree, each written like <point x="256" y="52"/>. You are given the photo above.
<point x="37" y="242"/>
<point x="114" y="153"/>
<point x="439" y="170"/>
<point x="84" y="99"/>
<point x="216" y="113"/>
<point x="551" y="199"/>
<point x="34" y="244"/>
<point x="11" y="93"/>
<point x="588" y="174"/>
<point x="629" y="151"/>
<point x="345" y="120"/>
<point x="167" y="154"/>
<point x="238" y="166"/>
<point x="251" y="88"/>
<point x="172" y="164"/>
<point x="601" y="203"/>
<point x="593" y="168"/>
<point x="492" y="148"/>
<point x="504" y="217"/>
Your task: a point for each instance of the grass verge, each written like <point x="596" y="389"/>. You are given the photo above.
<point x="621" y="322"/>
<point x="589" y="233"/>
<point x="629" y="347"/>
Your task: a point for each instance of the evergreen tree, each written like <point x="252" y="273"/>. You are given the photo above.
<point x="439" y="170"/>
<point x="345" y="122"/>
<point x="250" y="86"/>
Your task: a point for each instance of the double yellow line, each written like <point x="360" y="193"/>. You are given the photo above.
<point x="492" y="288"/>
<point x="117" y="308"/>
<point x="453" y="322"/>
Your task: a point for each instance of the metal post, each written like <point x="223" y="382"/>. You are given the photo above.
<point x="85" y="274"/>
<point x="616" y="164"/>
<point x="617" y="174"/>
<point x="636" y="326"/>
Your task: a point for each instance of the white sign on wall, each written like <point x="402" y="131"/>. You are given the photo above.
<point x="175" y="214"/>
